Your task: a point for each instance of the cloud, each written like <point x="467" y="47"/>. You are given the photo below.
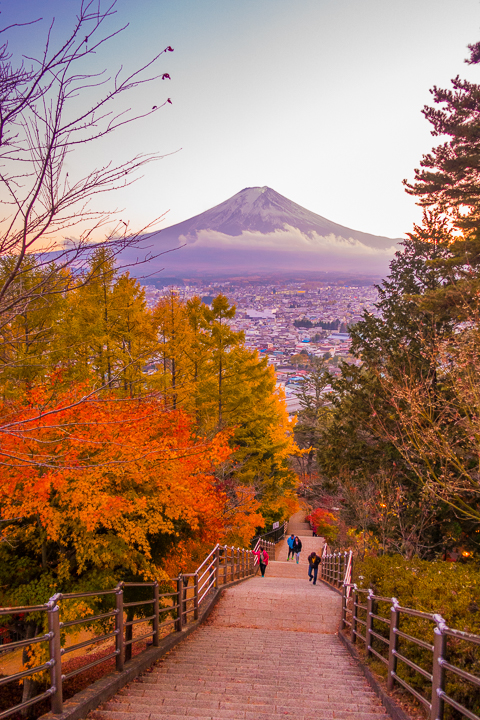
<point x="287" y="240"/>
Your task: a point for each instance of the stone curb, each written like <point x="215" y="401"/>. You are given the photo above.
<point x="332" y="587"/>
<point x="104" y="689"/>
<point x="394" y="710"/>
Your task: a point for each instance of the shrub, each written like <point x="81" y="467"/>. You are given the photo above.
<point x="325" y="522"/>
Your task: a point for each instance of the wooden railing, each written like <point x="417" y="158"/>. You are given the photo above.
<point x="165" y="613"/>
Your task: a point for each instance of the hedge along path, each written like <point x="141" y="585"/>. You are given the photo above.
<point x="268" y="651"/>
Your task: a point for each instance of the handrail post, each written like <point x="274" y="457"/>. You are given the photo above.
<point x="393" y="644"/>
<point x="344" y="607"/>
<point x="225" y="564"/>
<point x="238" y="563"/>
<point x="119" y="628"/>
<point x="369" y="625"/>
<point x="179" y="622"/>
<point x="233" y="563"/>
<point x="438" y="672"/>
<point x="195" y="597"/>
<point x="55" y="651"/>
<point x="354" y="614"/>
<point x="217" y="566"/>
<point x="156" y="612"/>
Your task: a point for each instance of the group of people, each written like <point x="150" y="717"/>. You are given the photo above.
<point x="294" y="549"/>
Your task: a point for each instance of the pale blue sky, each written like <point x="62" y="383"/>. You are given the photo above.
<point x="319" y="99"/>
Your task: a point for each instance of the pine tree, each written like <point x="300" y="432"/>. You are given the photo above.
<point x="449" y="178"/>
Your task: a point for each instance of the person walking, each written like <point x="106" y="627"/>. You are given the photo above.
<point x="314" y="561"/>
<point x="290" y="542"/>
<point x="262" y="557"/>
<point x="297" y="547"/>
<point x="314" y="530"/>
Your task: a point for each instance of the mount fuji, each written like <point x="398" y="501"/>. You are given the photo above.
<point x="259" y="230"/>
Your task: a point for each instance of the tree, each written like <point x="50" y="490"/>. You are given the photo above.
<point x="450" y="179"/>
<point x="313" y="419"/>
<point x="219" y="341"/>
<point x="437" y="425"/>
<point x="177" y="351"/>
<point x="205" y="366"/>
<point x="107" y="329"/>
<point x="358" y="459"/>
<point x="39" y="132"/>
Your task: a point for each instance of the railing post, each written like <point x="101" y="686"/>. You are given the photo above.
<point x="354" y="614"/>
<point x="119" y="640"/>
<point x="156" y="612"/>
<point x="238" y="563"/>
<point x="217" y="566"/>
<point x="55" y="651"/>
<point x="225" y="564"/>
<point x="344" y="607"/>
<point x="233" y="563"/>
<point x="179" y="622"/>
<point x="369" y="625"/>
<point x="195" y="597"/>
<point x="393" y="644"/>
<point x="438" y="673"/>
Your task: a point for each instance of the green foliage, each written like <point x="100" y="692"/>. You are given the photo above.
<point x="449" y="180"/>
<point x="359" y="456"/>
<point x="450" y="589"/>
<point x="324" y="324"/>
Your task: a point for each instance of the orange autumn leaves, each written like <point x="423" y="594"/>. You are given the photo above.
<point x="110" y="483"/>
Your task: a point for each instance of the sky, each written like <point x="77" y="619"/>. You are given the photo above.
<point x="318" y="99"/>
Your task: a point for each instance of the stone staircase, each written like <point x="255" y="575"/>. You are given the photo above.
<point x="269" y="651"/>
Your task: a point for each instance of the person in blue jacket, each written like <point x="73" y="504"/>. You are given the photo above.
<point x="290" y="542"/>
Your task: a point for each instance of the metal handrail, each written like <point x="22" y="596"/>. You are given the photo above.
<point x="439" y="648"/>
<point x="222" y="566"/>
<point x="279" y="533"/>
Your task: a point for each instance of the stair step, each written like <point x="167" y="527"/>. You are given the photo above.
<point x="269" y="652"/>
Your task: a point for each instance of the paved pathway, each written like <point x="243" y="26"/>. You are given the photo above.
<point x="269" y="651"/>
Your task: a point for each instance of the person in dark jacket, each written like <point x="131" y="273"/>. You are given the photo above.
<point x="297" y="547"/>
<point x="314" y="561"/>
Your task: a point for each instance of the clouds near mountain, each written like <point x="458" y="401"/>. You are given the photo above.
<point x="258" y="229"/>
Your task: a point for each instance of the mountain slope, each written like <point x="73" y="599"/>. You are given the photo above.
<point x="258" y="229"/>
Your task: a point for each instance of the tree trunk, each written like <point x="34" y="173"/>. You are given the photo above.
<point x="30" y="686"/>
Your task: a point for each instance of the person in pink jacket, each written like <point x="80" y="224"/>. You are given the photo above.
<point x="262" y="557"/>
